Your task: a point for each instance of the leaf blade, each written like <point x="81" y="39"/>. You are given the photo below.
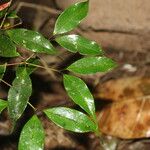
<point x="90" y="65"/>
<point x="71" y="119"/>
<point x="71" y="17"/>
<point x="32" y="135"/>
<point x="7" y="47"/>
<point x="76" y="43"/>
<point x="19" y="94"/>
<point x="3" y="105"/>
<point x="80" y="94"/>
<point x="31" y="40"/>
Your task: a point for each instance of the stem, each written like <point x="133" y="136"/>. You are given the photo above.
<point x="17" y="24"/>
<point x="51" y="38"/>
<point x="32" y="106"/>
<point x="30" y="56"/>
<point x="5" y="83"/>
<point x="13" y="64"/>
<point x="3" y="20"/>
<point x="38" y="66"/>
<point x="30" y="64"/>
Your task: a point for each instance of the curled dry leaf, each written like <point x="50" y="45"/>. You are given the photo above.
<point x="5" y="5"/>
<point x="127" y="119"/>
<point x="129" y="116"/>
<point x="125" y="88"/>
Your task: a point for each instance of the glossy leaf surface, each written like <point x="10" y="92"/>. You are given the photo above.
<point x="80" y="94"/>
<point x="19" y="94"/>
<point x="76" y="43"/>
<point x="32" y="135"/>
<point x="3" y="105"/>
<point x="71" y="17"/>
<point x="7" y="47"/>
<point x="91" y="65"/>
<point x="31" y="40"/>
<point x="71" y="119"/>
<point x="2" y="70"/>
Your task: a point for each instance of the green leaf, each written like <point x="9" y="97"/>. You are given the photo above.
<point x="32" y="136"/>
<point x="2" y="70"/>
<point x="91" y="65"/>
<point x="3" y="105"/>
<point x="71" y="17"/>
<point x="80" y="94"/>
<point x="31" y="40"/>
<point x="71" y="119"/>
<point x="2" y="12"/>
<point x="7" y="47"/>
<point x="76" y="43"/>
<point x="12" y="14"/>
<point x="19" y="94"/>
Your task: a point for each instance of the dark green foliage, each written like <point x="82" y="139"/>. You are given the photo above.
<point x="90" y="65"/>
<point x="7" y="47"/>
<point x="80" y="94"/>
<point x="71" y="17"/>
<point x="71" y="119"/>
<point x="19" y="94"/>
<point x="31" y="40"/>
<point x="76" y="43"/>
<point x="32" y="135"/>
<point x="3" y="105"/>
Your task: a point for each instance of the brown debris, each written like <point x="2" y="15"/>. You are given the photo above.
<point x="123" y="89"/>
<point x="127" y="119"/>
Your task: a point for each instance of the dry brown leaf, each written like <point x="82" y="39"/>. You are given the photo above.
<point x="127" y="119"/>
<point x="5" y="5"/>
<point x="125" y="88"/>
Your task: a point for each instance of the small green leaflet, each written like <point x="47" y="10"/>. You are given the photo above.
<point x="2" y="13"/>
<point x="71" y="119"/>
<point x="2" y="70"/>
<point x="80" y="94"/>
<point x="90" y="65"/>
<point x="71" y="17"/>
<point x="31" y="40"/>
<point x="32" y="136"/>
<point x="76" y="43"/>
<point x="7" y="47"/>
<point x="3" y="105"/>
<point x="19" y="94"/>
<point x="12" y="14"/>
